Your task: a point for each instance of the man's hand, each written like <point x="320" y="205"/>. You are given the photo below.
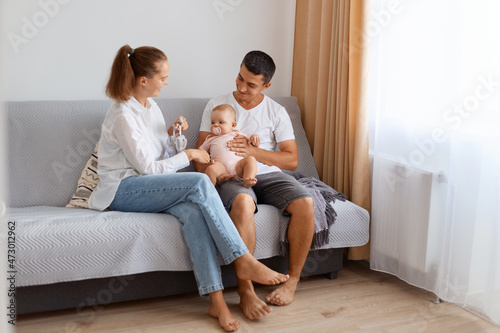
<point x="241" y="146"/>
<point x="224" y="178"/>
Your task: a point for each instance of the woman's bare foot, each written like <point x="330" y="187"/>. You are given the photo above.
<point x="284" y="294"/>
<point x="252" y="306"/>
<point x="249" y="268"/>
<point x="249" y="182"/>
<point x="218" y="309"/>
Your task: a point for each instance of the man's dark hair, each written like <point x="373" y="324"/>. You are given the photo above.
<point x="258" y="63"/>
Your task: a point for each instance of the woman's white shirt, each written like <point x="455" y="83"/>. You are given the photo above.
<point x="134" y="141"/>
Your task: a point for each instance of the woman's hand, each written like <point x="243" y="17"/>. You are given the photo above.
<point x="198" y="155"/>
<point x="179" y="123"/>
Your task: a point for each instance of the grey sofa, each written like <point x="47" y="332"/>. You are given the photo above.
<point x="79" y="258"/>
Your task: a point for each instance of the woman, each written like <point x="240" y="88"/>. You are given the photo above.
<point x="137" y="170"/>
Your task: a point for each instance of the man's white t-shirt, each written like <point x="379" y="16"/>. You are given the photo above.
<point x="268" y="119"/>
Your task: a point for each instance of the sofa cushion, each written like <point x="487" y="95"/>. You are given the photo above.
<point x="86" y="183"/>
<point x="48" y="143"/>
<point x="58" y="244"/>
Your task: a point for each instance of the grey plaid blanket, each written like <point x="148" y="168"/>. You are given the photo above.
<point x="324" y="214"/>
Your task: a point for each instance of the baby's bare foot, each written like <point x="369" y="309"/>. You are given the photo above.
<point x="249" y="182"/>
<point x="249" y="268"/>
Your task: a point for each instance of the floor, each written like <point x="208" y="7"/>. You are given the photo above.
<point x="359" y="300"/>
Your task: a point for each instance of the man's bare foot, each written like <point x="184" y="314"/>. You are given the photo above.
<point x="219" y="310"/>
<point x="249" y="182"/>
<point x="249" y="268"/>
<point x="284" y="294"/>
<point x="252" y="306"/>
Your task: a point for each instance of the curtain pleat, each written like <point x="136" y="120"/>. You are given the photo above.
<point x="326" y="81"/>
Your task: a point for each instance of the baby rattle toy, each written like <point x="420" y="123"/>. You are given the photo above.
<point x="180" y="140"/>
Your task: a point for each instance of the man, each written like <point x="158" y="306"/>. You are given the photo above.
<point x="258" y="114"/>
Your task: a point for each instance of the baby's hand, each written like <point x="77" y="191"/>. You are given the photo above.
<point x="254" y="140"/>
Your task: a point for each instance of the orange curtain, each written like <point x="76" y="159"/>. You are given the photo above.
<point x="327" y="81"/>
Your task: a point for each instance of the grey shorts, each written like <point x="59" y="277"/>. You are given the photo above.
<point x="275" y="188"/>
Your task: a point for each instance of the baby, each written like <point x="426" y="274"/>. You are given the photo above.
<point x="224" y="161"/>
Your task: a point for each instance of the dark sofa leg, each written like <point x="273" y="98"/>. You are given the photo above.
<point x="331" y="275"/>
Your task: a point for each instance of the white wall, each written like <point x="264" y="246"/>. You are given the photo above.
<point x="63" y="49"/>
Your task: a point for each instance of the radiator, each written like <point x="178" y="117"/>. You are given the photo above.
<point x="406" y="212"/>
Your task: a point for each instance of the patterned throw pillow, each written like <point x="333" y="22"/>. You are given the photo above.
<point x="86" y="184"/>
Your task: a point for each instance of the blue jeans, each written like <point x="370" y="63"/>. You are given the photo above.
<point x="207" y="228"/>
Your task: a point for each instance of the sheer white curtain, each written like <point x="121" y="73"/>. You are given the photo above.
<point x="434" y="99"/>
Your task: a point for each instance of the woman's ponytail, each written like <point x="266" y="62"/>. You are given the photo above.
<point x="122" y="79"/>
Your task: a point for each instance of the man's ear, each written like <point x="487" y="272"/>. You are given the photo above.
<point x="267" y="85"/>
